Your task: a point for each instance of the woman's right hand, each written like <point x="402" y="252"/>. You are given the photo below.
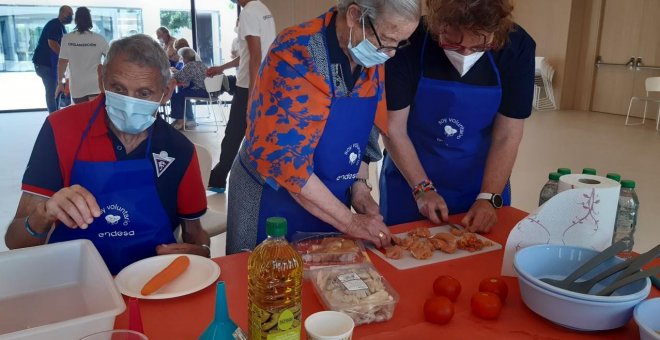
<point x="370" y="228"/>
<point x="433" y="207"/>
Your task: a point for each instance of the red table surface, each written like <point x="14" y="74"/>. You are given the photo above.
<point x="188" y="316"/>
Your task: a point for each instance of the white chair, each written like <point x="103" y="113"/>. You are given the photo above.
<point x="544" y="96"/>
<point x="214" y="87"/>
<point x="215" y="219"/>
<point x="651" y="84"/>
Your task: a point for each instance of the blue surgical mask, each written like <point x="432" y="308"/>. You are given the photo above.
<point x="365" y="53"/>
<point x="128" y="114"/>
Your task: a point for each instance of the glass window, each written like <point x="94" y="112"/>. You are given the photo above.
<point x="21" y="25"/>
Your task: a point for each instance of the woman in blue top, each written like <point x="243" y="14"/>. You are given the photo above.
<point x="457" y="100"/>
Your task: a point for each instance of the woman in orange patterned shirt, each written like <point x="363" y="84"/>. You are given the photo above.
<point x="319" y="92"/>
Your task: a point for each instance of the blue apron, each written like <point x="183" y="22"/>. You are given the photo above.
<point x="450" y="126"/>
<point x="133" y="221"/>
<point x="337" y="160"/>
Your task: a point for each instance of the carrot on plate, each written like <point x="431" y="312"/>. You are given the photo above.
<point x="167" y="275"/>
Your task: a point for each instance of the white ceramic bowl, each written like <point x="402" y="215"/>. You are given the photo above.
<point x="575" y="313"/>
<point x="647" y="316"/>
<point x="558" y="261"/>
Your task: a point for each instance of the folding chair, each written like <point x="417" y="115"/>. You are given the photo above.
<point x="214" y="88"/>
<point x="652" y="84"/>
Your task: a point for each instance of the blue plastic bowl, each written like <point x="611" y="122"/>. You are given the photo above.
<point x="647" y="316"/>
<point x="558" y="261"/>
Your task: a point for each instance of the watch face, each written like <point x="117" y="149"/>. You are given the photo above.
<point x="497" y="201"/>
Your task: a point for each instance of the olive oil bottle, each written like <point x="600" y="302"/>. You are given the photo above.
<point x="275" y="273"/>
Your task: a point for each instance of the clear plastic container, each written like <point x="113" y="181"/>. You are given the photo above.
<point x="357" y="290"/>
<point x="56" y="291"/>
<point x="328" y="249"/>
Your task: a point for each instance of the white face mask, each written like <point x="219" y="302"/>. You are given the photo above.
<point x="463" y="63"/>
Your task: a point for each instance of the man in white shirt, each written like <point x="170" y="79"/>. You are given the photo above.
<point x="81" y="50"/>
<point x="256" y="31"/>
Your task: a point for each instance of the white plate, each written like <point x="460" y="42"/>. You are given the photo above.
<point x="200" y="274"/>
<point x="407" y="261"/>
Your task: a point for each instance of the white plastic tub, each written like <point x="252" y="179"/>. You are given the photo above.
<point x="56" y="291"/>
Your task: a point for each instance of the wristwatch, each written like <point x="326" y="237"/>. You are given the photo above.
<point x="365" y="181"/>
<point x="494" y="199"/>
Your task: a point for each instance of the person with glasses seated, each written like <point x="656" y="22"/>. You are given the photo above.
<point x="315" y="100"/>
<point x="457" y="99"/>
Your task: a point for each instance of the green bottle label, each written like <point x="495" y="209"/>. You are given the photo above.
<point x="281" y="325"/>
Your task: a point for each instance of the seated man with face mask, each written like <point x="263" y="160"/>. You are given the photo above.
<point x="110" y="171"/>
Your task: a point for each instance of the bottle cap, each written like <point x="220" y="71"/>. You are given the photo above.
<point x="564" y="171"/>
<point x="628" y="184"/>
<point x="554" y="176"/>
<point x="276" y="226"/>
<point x="614" y="176"/>
<point x="589" y="171"/>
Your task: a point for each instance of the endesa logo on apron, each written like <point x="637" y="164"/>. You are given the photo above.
<point x="116" y="216"/>
<point x="353" y="154"/>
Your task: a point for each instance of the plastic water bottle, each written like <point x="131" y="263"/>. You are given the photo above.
<point x="275" y="274"/>
<point x="589" y="171"/>
<point x="550" y="188"/>
<point x="626" y="216"/>
<point x="564" y="171"/>
<point x="614" y="176"/>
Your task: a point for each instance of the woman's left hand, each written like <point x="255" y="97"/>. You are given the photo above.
<point x="362" y="201"/>
<point x="480" y="218"/>
<point x="182" y="248"/>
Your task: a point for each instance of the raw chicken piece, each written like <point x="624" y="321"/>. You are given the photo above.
<point x="421" y="249"/>
<point x="394" y="252"/>
<point x="402" y="242"/>
<point x="420" y="232"/>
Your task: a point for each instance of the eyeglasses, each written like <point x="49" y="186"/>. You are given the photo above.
<point x="457" y="46"/>
<point x="386" y="49"/>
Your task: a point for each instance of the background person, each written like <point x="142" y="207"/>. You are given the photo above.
<point x="82" y="51"/>
<point x="256" y="31"/>
<point x="457" y="98"/>
<point x="191" y="84"/>
<point x="46" y="54"/>
<point x="167" y="43"/>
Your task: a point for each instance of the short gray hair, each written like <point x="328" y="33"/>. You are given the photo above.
<point x="187" y="53"/>
<point x="142" y="50"/>
<point x="407" y="9"/>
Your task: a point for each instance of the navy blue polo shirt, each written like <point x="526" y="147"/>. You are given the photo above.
<point x="172" y="155"/>
<point x="515" y="62"/>
<point x="43" y="55"/>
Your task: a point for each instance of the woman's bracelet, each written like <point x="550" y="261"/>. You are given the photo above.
<point x="32" y="231"/>
<point x="422" y="187"/>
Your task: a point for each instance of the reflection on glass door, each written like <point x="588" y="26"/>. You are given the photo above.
<point x="21" y="23"/>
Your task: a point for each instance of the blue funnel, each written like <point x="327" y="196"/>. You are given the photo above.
<point x="221" y="328"/>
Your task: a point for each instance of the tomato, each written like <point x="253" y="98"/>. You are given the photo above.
<point x="496" y="286"/>
<point x="447" y="286"/>
<point x="438" y="309"/>
<point x="486" y="305"/>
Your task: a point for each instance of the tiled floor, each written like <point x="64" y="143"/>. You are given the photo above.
<point x="552" y="139"/>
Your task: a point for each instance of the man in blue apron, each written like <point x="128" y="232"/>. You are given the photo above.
<point x="111" y="172"/>
<point x="457" y="99"/>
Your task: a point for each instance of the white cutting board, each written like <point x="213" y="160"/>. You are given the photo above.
<point x="407" y="261"/>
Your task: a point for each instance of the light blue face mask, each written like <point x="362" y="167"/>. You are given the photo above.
<point x="365" y="53"/>
<point x="128" y="114"/>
